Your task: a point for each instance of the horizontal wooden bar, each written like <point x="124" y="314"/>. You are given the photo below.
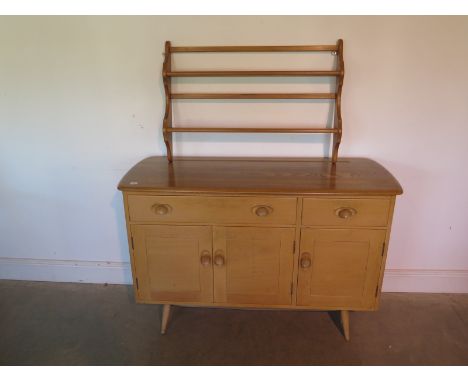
<point x="253" y="95"/>
<point x="288" y="48"/>
<point x="256" y="73"/>
<point x="286" y="130"/>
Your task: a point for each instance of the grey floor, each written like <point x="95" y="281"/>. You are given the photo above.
<point x="89" y="324"/>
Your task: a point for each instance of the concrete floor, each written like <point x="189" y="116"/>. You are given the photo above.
<point x="89" y="324"/>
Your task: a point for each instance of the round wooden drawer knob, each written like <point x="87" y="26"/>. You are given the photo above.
<point x="262" y="211"/>
<point x="205" y="258"/>
<point x="219" y="258"/>
<point x="305" y="261"/>
<point x="161" y="209"/>
<point x="345" y="212"/>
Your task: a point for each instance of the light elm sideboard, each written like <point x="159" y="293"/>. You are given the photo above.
<point x="280" y="233"/>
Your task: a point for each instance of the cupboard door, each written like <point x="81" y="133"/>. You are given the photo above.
<point x="339" y="268"/>
<point x="253" y="265"/>
<point x="173" y="263"/>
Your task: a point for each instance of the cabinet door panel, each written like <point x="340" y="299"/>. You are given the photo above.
<point x="339" y="268"/>
<point x="258" y="265"/>
<point x="168" y="263"/>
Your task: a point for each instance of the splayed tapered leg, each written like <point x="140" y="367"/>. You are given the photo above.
<point x="165" y="317"/>
<point x="345" y="323"/>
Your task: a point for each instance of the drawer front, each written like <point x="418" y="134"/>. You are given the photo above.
<point x="346" y="212"/>
<point x="212" y="210"/>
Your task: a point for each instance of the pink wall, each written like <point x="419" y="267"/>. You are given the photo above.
<point x="81" y="100"/>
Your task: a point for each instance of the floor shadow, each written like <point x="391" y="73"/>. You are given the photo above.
<point x="336" y="319"/>
<point x="130" y="293"/>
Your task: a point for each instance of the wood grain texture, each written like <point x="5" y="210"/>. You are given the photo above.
<point x="199" y="209"/>
<point x="339" y="267"/>
<point x="344" y="314"/>
<point x="385" y="251"/>
<point x="293" y="176"/>
<point x="337" y="72"/>
<point x="289" y="233"/>
<point x="255" y="73"/>
<point x="326" y="212"/>
<point x="253" y="95"/>
<point x="168" y="262"/>
<point x="338" y="121"/>
<point x="260" y="48"/>
<point x="253" y="306"/>
<point x="297" y="241"/>
<point x="256" y="130"/>
<point x="167" y="121"/>
<point x="258" y="265"/>
<point x="130" y="248"/>
<point x="165" y="317"/>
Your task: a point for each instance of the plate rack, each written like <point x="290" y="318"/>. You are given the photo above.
<point x="168" y="74"/>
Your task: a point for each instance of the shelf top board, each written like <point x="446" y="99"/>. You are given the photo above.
<point x="291" y="176"/>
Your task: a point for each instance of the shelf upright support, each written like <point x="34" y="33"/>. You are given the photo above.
<point x="338" y="123"/>
<point x="167" y="123"/>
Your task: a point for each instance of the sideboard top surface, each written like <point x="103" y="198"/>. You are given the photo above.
<point x="294" y="176"/>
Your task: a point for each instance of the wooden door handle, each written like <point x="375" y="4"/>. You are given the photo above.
<point x="205" y="258"/>
<point x="262" y="211"/>
<point x="161" y="209"/>
<point x="345" y="212"/>
<point x="305" y="260"/>
<point x="219" y="258"/>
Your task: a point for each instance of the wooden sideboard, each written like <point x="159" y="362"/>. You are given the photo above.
<point x="259" y="233"/>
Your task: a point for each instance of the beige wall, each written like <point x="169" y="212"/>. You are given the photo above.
<point x="81" y="101"/>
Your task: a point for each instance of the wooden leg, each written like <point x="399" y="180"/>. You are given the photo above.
<point x="345" y="323"/>
<point x="165" y="317"/>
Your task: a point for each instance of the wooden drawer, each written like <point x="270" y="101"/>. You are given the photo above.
<point x="345" y="212"/>
<point x="212" y="210"/>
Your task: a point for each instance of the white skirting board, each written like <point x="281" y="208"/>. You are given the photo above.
<point x="98" y="272"/>
<point x="395" y="280"/>
<point x="425" y="280"/>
